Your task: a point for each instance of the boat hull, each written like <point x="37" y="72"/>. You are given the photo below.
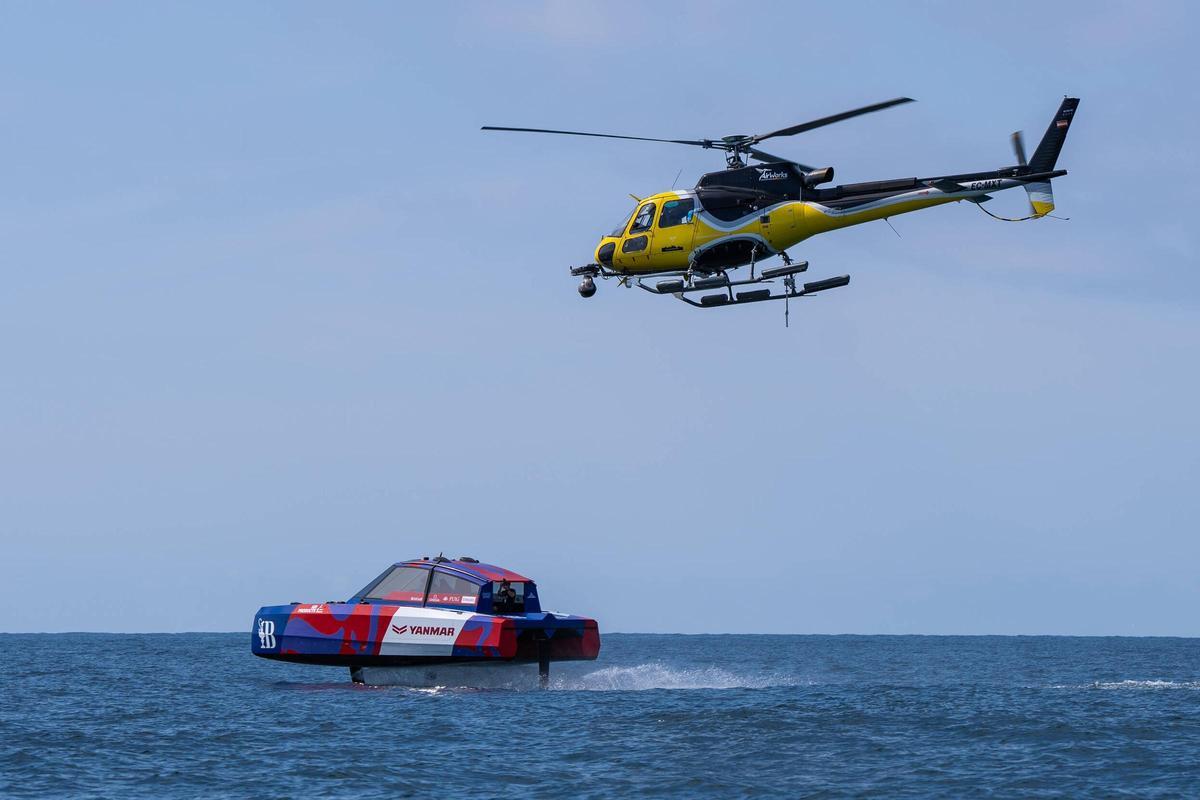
<point x="385" y="635"/>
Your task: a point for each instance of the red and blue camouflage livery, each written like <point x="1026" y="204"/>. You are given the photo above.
<point x="427" y="611"/>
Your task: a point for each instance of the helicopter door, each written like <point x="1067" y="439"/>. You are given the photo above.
<point x="636" y="246"/>
<point x="673" y="241"/>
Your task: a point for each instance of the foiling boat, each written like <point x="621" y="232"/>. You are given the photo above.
<point x="429" y="622"/>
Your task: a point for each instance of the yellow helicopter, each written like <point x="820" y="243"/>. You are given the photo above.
<point x="743" y="214"/>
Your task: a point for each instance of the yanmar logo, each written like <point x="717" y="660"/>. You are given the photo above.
<point x="765" y="174"/>
<point x="423" y="630"/>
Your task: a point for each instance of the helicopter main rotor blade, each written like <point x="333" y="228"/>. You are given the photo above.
<point x="696" y="142"/>
<point x="768" y="158"/>
<point x="823" y="121"/>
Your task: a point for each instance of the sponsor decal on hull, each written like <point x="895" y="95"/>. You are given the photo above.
<point x="266" y="634"/>
<point x="453" y="599"/>
<point x="423" y="631"/>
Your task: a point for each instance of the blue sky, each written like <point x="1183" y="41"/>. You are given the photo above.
<point x="276" y="313"/>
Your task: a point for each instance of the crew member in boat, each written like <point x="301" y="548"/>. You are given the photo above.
<point x="506" y="597"/>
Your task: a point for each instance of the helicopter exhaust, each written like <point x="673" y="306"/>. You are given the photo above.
<point x="818" y="176"/>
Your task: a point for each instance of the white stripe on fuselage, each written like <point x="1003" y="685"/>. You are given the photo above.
<point x="740" y="222"/>
<point x="970" y="189"/>
<point x="973" y="189"/>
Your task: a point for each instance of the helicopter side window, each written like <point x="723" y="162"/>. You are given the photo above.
<point x="634" y="244"/>
<point x="677" y="212"/>
<point x="643" y="219"/>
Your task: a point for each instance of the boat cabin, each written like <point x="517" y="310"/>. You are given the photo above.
<point x="461" y="584"/>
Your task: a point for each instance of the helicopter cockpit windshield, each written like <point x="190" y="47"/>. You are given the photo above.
<point x="620" y="229"/>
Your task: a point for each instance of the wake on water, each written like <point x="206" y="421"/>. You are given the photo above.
<point x="1128" y="684"/>
<point x="639" y="677"/>
<point x="659" y="676"/>
<point x="647" y="676"/>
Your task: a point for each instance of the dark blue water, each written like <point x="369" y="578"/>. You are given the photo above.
<point x="799" y="716"/>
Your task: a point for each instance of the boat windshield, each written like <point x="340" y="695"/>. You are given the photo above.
<point x="451" y="590"/>
<point x="402" y="585"/>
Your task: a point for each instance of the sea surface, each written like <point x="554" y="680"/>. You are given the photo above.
<point x="195" y="715"/>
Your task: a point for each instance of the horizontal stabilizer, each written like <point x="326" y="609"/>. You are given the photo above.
<point x="948" y="186"/>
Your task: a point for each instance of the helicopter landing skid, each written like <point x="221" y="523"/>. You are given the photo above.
<point x="680" y="288"/>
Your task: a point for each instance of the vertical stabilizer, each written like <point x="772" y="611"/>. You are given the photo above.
<point x="1045" y="157"/>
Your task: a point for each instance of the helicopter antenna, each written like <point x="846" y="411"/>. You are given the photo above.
<point x="736" y="146"/>
<point x="677" y="174"/>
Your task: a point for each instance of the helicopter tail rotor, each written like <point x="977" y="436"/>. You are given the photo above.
<point x="1018" y="145"/>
